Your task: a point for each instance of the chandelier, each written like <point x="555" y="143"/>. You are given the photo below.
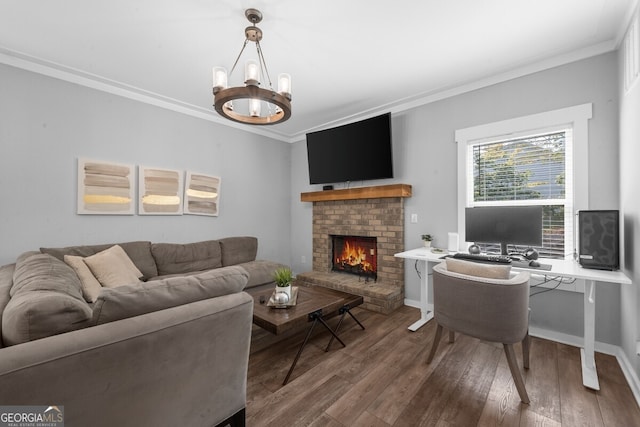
<point x="250" y="103"/>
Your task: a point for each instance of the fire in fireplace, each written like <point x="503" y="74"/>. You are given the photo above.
<point x="356" y="255"/>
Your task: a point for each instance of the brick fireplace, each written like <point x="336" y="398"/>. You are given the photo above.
<point x="369" y="212"/>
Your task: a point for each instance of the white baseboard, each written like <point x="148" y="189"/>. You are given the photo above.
<point x="560" y="337"/>
<point x="412" y="303"/>
<point x="629" y="374"/>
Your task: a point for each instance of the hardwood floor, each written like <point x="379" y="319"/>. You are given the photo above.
<point x="381" y="379"/>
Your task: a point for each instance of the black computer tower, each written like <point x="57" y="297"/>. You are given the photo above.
<point x="599" y="239"/>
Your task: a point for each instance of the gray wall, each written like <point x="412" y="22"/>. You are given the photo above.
<point x="45" y="124"/>
<point x="630" y="213"/>
<point x="425" y="157"/>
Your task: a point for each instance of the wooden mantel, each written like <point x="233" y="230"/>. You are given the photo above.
<point x="380" y="191"/>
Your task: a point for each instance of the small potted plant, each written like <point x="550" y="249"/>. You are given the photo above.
<point x="426" y="238"/>
<point x="283" y="277"/>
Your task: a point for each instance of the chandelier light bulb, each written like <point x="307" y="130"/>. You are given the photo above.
<point x="251" y="73"/>
<point x="254" y="107"/>
<point x="284" y="85"/>
<point x="219" y="79"/>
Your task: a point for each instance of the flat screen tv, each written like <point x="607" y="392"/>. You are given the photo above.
<point x="516" y="225"/>
<point x="354" y="152"/>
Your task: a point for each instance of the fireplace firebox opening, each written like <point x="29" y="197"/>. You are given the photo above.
<point x="356" y="255"/>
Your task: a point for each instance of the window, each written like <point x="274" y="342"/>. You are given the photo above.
<point x="533" y="160"/>
<point x="527" y="170"/>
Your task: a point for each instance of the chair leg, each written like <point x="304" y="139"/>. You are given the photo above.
<point x="434" y="346"/>
<point x="526" y="345"/>
<point x="452" y="336"/>
<point x="515" y="372"/>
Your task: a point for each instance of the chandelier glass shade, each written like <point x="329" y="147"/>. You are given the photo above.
<point x="252" y="104"/>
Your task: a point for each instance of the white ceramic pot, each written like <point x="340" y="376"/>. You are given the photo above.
<point x="285" y="289"/>
<point x="427" y="243"/>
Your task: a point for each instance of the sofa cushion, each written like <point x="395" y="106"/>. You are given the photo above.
<point x="46" y="299"/>
<point x="488" y="271"/>
<point x="128" y="301"/>
<point x="236" y="250"/>
<point x="113" y="267"/>
<point x="176" y="258"/>
<point x="260" y="271"/>
<point x="139" y="252"/>
<point x="91" y="287"/>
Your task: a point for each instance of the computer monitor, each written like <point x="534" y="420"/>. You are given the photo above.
<point x="516" y="225"/>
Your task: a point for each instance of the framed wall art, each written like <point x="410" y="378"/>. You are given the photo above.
<point x="105" y="188"/>
<point x="160" y="191"/>
<point x="202" y="194"/>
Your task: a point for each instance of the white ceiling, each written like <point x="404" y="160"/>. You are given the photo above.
<point x="348" y="58"/>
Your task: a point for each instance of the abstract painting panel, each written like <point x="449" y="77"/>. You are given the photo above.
<point x="202" y="194"/>
<point x="160" y="191"/>
<point x="105" y="188"/>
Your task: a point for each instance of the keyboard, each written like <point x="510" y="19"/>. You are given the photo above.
<point x="484" y="258"/>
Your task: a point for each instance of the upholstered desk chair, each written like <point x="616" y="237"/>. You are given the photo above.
<point x="468" y="299"/>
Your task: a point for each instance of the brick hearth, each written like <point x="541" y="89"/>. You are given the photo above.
<point x="344" y="213"/>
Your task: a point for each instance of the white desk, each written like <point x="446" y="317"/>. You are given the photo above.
<point x="559" y="268"/>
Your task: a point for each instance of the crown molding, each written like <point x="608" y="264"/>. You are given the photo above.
<point x="438" y="94"/>
<point x="93" y="81"/>
<point x="62" y="72"/>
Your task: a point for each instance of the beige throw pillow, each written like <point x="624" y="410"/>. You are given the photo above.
<point x="113" y="267"/>
<point x="488" y="271"/>
<point x="90" y="285"/>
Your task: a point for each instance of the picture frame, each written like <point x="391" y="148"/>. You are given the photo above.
<point x="105" y="188"/>
<point x="202" y="194"/>
<point x="160" y="191"/>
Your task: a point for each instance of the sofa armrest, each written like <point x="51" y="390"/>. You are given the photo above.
<point x="186" y="365"/>
<point x="6" y="282"/>
<point x="260" y="272"/>
<point x="238" y="249"/>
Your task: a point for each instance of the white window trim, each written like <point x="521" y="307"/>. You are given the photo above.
<point x="576" y="117"/>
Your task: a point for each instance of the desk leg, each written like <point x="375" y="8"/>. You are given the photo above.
<point x="426" y="312"/>
<point x="587" y="354"/>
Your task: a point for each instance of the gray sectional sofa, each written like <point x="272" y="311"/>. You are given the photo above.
<point x="169" y="348"/>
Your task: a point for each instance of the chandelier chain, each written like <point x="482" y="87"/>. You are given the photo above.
<point x="263" y="65"/>
<point x="246" y="41"/>
<point x="265" y="71"/>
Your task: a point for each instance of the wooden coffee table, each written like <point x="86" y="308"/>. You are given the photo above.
<point x="314" y="304"/>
